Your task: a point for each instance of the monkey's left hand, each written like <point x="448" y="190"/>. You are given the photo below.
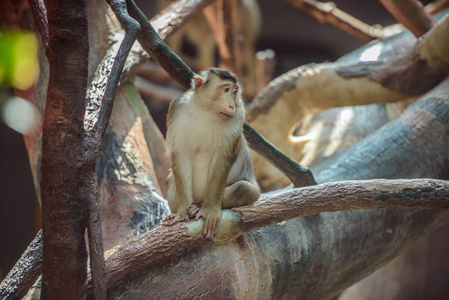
<point x="211" y="216"/>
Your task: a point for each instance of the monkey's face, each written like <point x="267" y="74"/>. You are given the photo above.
<point x="226" y="100"/>
<point x="220" y="97"/>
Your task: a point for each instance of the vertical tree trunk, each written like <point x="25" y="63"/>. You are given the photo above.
<point x="62" y="174"/>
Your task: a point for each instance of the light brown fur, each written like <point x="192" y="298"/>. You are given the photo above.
<point x="211" y="163"/>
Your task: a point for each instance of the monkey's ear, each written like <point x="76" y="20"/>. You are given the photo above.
<point x="197" y="81"/>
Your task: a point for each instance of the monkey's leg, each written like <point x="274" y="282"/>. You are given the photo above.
<point x="171" y="194"/>
<point x="240" y="193"/>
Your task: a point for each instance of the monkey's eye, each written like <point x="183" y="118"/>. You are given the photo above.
<point x="234" y="91"/>
<point x="226" y="89"/>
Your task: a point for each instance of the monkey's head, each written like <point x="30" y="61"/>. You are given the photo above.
<point x="219" y="91"/>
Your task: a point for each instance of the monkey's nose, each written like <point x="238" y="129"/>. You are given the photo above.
<point x="231" y="106"/>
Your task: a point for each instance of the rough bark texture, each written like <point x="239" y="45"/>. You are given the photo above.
<point x="345" y="195"/>
<point x="141" y="215"/>
<point x="40" y="18"/>
<point x="62" y="173"/>
<point x="27" y="269"/>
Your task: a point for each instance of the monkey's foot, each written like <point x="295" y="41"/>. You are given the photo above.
<point x="172" y="219"/>
<point x="193" y="210"/>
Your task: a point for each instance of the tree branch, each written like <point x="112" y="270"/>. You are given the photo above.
<point x="411" y="14"/>
<point x="25" y="272"/>
<point x="344" y="195"/>
<point x="176" y="14"/>
<point x="299" y="175"/>
<point x="328" y="12"/>
<point x="132" y="30"/>
<point x="169" y="242"/>
<point x="94" y="139"/>
<point x="158" y="49"/>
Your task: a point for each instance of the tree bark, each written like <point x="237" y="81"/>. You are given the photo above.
<point x="26" y="270"/>
<point x="62" y="173"/>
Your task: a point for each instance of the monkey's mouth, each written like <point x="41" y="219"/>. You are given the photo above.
<point x="226" y="115"/>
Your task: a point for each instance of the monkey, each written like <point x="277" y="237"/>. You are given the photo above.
<point x="211" y="163"/>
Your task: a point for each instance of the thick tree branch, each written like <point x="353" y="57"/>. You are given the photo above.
<point x="411" y="14"/>
<point x="29" y="274"/>
<point x="25" y="272"/>
<point x="158" y="49"/>
<point x="328" y="12"/>
<point x="433" y="48"/>
<point x="344" y="195"/>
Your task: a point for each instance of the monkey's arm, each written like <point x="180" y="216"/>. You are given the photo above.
<point x="182" y="175"/>
<point x="213" y="198"/>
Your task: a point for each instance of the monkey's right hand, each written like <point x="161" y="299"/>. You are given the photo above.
<point x="212" y="217"/>
<point x="172" y="219"/>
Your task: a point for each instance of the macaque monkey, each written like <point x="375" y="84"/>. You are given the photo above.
<point x="211" y="162"/>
